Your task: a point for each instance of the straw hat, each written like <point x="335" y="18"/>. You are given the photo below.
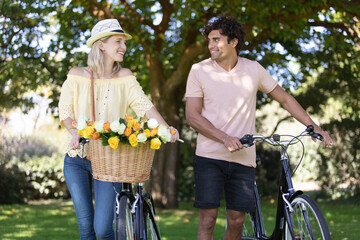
<point x="105" y="28"/>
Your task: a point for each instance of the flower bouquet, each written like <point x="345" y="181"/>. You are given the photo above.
<point x="127" y="131"/>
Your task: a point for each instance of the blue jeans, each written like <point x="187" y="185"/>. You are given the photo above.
<point x="92" y="223"/>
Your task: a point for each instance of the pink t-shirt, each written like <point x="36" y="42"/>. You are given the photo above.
<point x="229" y="103"/>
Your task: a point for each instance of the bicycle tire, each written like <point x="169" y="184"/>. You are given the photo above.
<point x="151" y="227"/>
<point x="317" y="221"/>
<point x="124" y="223"/>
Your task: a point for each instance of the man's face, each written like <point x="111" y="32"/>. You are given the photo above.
<point x="219" y="47"/>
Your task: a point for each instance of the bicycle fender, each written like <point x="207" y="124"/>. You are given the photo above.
<point x="297" y="193"/>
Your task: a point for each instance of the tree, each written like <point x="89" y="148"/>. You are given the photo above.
<point x="316" y="34"/>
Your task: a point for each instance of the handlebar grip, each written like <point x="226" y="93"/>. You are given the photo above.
<point x="310" y="130"/>
<point x="317" y="136"/>
<point x="83" y="140"/>
<point x="247" y="140"/>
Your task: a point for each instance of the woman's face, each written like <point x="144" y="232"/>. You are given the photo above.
<point x="114" y="47"/>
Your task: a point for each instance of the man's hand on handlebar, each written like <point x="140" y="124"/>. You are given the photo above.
<point x="326" y="137"/>
<point x="233" y="144"/>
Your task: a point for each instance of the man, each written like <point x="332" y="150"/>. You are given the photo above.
<point x="220" y="106"/>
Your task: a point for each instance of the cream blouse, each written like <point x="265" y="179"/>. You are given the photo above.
<point x="113" y="98"/>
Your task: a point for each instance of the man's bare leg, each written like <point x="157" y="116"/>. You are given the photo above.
<point x="235" y="221"/>
<point x="207" y="220"/>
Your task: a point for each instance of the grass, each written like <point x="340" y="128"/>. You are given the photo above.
<point x="56" y="219"/>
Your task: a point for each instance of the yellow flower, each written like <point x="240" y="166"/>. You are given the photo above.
<point x="131" y="123"/>
<point x="87" y="131"/>
<point x="147" y="133"/>
<point x="133" y="140"/>
<point x="155" y="143"/>
<point x="113" y="142"/>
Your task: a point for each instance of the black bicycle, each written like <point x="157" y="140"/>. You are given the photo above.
<point x="135" y="215"/>
<point x="298" y="216"/>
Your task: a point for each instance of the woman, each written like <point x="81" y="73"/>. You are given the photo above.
<point x="115" y="92"/>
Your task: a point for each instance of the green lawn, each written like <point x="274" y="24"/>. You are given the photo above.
<point x="56" y="220"/>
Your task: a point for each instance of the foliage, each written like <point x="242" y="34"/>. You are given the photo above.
<point x="339" y="173"/>
<point x="319" y="38"/>
<point x="29" y="169"/>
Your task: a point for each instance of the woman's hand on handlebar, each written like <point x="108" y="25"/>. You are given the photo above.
<point x="233" y="144"/>
<point x="174" y="134"/>
<point x="75" y="140"/>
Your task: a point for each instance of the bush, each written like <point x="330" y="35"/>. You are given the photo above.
<point x="30" y="169"/>
<point x="340" y="164"/>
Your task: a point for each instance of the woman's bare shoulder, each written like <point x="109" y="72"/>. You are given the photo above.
<point x="80" y="71"/>
<point x="125" y="72"/>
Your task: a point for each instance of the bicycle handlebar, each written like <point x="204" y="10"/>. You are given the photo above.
<point x="248" y="140"/>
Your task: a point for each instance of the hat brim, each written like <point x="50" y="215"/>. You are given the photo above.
<point x="93" y="39"/>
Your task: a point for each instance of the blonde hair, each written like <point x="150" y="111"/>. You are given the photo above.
<point x="96" y="59"/>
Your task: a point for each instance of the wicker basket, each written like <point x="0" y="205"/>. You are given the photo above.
<point x="124" y="164"/>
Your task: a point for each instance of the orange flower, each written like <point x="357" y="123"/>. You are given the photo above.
<point x="128" y="131"/>
<point x="128" y="118"/>
<point x="153" y="132"/>
<point x="74" y="124"/>
<point x="107" y="127"/>
<point x="147" y="133"/>
<point x="172" y="131"/>
<point x="133" y="140"/>
<point x="137" y="126"/>
<point x="91" y="124"/>
<point x="155" y="143"/>
<point x="95" y="135"/>
<point x="114" y="142"/>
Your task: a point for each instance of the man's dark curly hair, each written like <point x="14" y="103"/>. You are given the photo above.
<point x="228" y="27"/>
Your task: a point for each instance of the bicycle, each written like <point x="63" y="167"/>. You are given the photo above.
<point x="299" y="213"/>
<point x="135" y="215"/>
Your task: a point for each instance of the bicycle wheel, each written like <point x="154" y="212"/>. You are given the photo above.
<point x="124" y="225"/>
<point x="150" y="223"/>
<point x="306" y="210"/>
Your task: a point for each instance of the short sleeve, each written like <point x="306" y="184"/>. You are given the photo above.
<point x="66" y="105"/>
<point x="193" y="86"/>
<point x="139" y="102"/>
<point x="266" y="83"/>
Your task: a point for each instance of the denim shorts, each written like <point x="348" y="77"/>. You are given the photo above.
<point x="212" y="177"/>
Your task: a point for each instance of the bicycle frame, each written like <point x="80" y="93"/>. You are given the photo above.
<point x="285" y="193"/>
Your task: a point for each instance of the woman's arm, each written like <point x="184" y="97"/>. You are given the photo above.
<point x="74" y="143"/>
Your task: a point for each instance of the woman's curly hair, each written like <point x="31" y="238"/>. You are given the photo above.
<point x="228" y="27"/>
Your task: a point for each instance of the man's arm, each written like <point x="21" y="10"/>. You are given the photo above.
<point x="297" y="111"/>
<point x="205" y="127"/>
